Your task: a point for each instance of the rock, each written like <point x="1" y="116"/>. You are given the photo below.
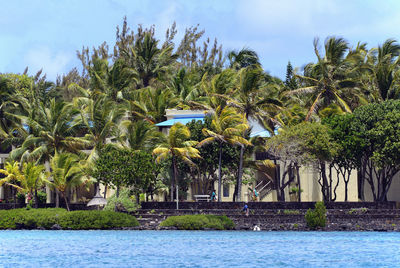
<point x="56" y="227"/>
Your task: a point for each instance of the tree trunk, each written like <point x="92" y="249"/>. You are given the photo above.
<point x="360" y="183"/>
<point x="174" y="178"/>
<point x="36" y="199"/>
<point x="240" y="174"/>
<point x="298" y="181"/>
<point x="219" y="173"/>
<point x="66" y="201"/>
<point x="48" y="190"/>
<point x="15" y="196"/>
<point x="57" y="199"/>
<point x="105" y="191"/>
<point x="325" y="188"/>
<point x="277" y="179"/>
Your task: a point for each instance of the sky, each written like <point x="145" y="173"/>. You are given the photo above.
<point x="46" y="34"/>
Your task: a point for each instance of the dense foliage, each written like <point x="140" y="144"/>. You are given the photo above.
<point x="199" y="222"/>
<point x="98" y="126"/>
<point x="75" y="220"/>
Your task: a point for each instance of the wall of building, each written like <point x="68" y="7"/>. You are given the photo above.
<point x="393" y="194"/>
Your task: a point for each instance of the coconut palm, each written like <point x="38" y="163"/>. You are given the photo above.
<point x="99" y="118"/>
<point x="327" y="81"/>
<point x="177" y="146"/>
<point x="384" y="62"/>
<point x="26" y="180"/>
<point x="150" y="104"/>
<point x="141" y="135"/>
<point x="50" y="128"/>
<point x="12" y="177"/>
<point x="66" y="173"/>
<point x="227" y="127"/>
<point x="113" y="80"/>
<point x="35" y="178"/>
<point x="243" y="58"/>
<point x="217" y="89"/>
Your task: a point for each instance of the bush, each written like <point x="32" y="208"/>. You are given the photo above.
<point x="123" y="202"/>
<point x="199" y="222"/>
<point x="94" y="219"/>
<point x="317" y="217"/>
<point x="20" y="198"/>
<point x="75" y="220"/>
<point x="42" y="196"/>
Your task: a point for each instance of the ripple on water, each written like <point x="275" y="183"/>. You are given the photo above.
<point x="197" y="249"/>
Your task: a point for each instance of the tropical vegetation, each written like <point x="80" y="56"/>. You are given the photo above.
<point x="199" y="222"/>
<point x="58" y="218"/>
<point x="97" y="123"/>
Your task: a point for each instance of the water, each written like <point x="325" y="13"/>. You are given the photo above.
<point x="198" y="249"/>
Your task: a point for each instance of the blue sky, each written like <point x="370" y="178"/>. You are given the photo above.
<point x="46" y="34"/>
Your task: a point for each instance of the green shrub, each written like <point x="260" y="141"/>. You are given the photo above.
<point x="317" y="217"/>
<point x="94" y="219"/>
<point x="199" y="222"/>
<point x="124" y="200"/>
<point x="20" y="198"/>
<point x="76" y="220"/>
<point x="42" y="196"/>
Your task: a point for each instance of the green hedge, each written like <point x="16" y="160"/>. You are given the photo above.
<point x="199" y="222"/>
<point x="75" y="220"/>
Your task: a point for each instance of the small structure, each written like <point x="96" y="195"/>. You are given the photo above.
<point x="97" y="200"/>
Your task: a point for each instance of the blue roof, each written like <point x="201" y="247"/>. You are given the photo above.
<point x="263" y="134"/>
<point x="182" y="120"/>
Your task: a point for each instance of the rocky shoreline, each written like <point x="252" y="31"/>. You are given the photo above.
<point x="360" y="219"/>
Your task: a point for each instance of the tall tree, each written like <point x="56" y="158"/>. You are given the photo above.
<point x="66" y="173"/>
<point x="177" y="146"/>
<point x="326" y="81"/>
<point x="227" y="126"/>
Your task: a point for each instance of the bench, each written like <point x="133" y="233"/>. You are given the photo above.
<point x="202" y="197"/>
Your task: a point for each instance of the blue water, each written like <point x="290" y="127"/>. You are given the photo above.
<point x="198" y="249"/>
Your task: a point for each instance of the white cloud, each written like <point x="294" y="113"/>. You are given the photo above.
<point x="51" y="63"/>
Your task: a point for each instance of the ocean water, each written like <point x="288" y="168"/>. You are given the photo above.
<point x="198" y="249"/>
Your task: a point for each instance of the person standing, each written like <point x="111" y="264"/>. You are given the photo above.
<point x="255" y="195"/>
<point x="246" y="209"/>
<point x="213" y="196"/>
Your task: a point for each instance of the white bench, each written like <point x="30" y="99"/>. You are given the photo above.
<point x="202" y="197"/>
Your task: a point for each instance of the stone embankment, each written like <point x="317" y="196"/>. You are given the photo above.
<point x="349" y="219"/>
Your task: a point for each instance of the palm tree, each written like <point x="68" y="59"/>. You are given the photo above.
<point x="384" y="62"/>
<point x="150" y="104"/>
<point x="227" y="127"/>
<point x="26" y="180"/>
<point x="66" y="173"/>
<point x="51" y="128"/>
<point x="35" y="178"/>
<point x="243" y="58"/>
<point x="177" y="146"/>
<point x="328" y="80"/>
<point x="12" y="177"/>
<point x="217" y="89"/>
<point x="113" y="80"/>
<point x="99" y="118"/>
<point x="141" y="135"/>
